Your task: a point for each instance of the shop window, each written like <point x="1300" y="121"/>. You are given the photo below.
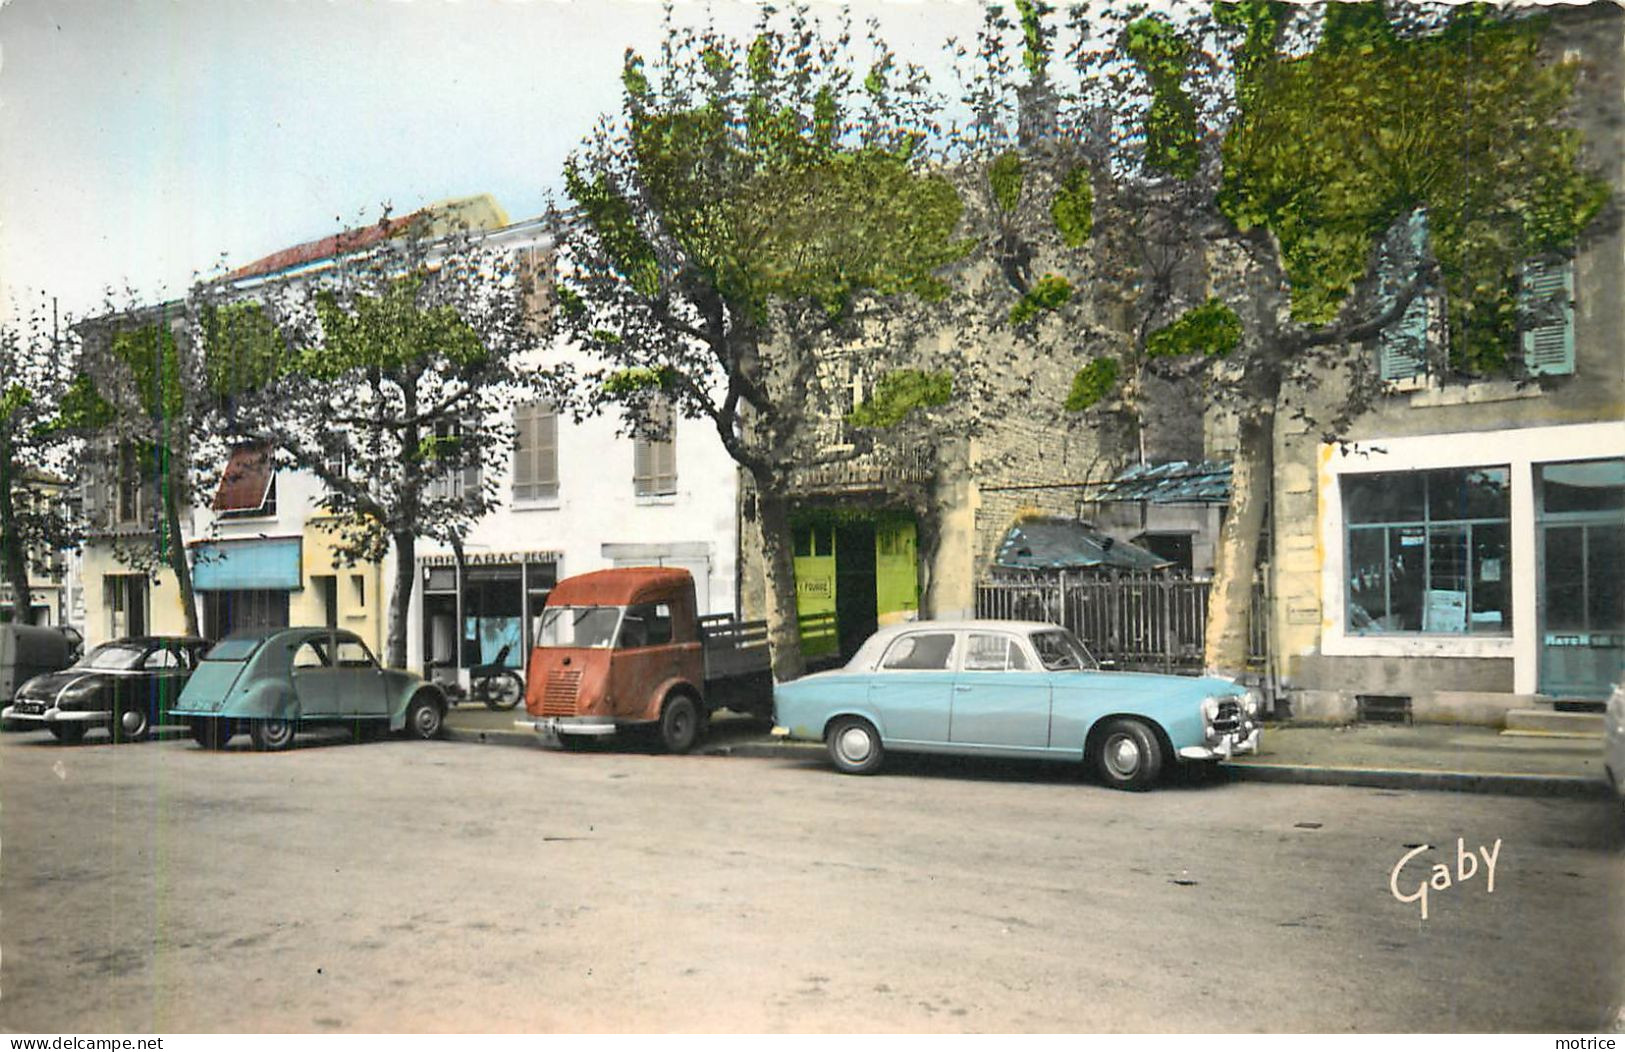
<point x="535" y="452"/>
<point x="1429" y="551"/>
<point x="654" y="455"/>
<point x="1546" y="313"/>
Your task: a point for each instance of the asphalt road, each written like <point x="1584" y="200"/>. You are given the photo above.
<point x="439" y="886"/>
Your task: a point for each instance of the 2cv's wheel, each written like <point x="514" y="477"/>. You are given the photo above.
<point x="1128" y="755"/>
<point x="271" y="735"/>
<point x="211" y="733"/>
<point x="680" y="724"/>
<point x="424" y="717"/>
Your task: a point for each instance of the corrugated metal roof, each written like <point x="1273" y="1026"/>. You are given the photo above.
<point x="1066" y="544"/>
<point x="1175" y="482"/>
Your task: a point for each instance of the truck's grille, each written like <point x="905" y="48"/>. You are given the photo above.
<point x="1229" y="717"/>
<point x="559" y="699"/>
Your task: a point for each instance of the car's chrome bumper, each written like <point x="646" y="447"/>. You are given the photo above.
<point x="54" y="715"/>
<point x="1227" y="746"/>
<point x="552" y="728"/>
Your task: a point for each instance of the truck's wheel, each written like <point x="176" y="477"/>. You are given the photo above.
<point x="680" y="724"/>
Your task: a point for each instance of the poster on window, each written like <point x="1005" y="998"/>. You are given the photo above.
<point x="1444" y="610"/>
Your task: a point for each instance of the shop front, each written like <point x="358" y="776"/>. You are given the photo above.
<point x="482" y="609"/>
<point x="246" y="583"/>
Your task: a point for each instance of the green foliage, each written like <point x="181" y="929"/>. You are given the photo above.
<point x="83" y="409"/>
<point x="1262" y="21"/>
<point x="625" y="382"/>
<point x="154" y="362"/>
<point x="633" y="77"/>
<point x="1170" y="123"/>
<point x="1047" y="293"/>
<point x="1211" y="329"/>
<point x="1004" y="176"/>
<point x="1092" y="383"/>
<point x="759" y="59"/>
<point x="242" y="350"/>
<point x="1333" y="147"/>
<point x="1073" y="207"/>
<point x="611" y="217"/>
<point x="1035" y="54"/>
<point x="389" y="332"/>
<point x="570" y="301"/>
<point x="899" y="393"/>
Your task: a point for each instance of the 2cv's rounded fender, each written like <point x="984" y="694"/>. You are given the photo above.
<point x="265" y="701"/>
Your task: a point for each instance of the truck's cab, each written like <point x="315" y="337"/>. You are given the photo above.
<point x="617" y="648"/>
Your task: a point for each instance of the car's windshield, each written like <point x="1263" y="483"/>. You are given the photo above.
<point x="1059" y="649"/>
<point x="113" y="656"/>
<point x="233" y="649"/>
<point x="579" y="626"/>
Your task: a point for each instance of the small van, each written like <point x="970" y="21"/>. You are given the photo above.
<point x="27" y="651"/>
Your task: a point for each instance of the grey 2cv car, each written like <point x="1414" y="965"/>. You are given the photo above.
<point x="274" y="682"/>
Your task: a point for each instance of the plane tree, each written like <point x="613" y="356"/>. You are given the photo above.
<point x="756" y="206"/>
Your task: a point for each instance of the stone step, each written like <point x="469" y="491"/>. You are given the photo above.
<point x="1556" y="724"/>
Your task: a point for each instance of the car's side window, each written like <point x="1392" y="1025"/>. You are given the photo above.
<point x="922" y="650"/>
<point x="646" y="625"/>
<point x="183" y="658"/>
<point x="988" y="653"/>
<point x="351" y="654"/>
<point x="309" y="655"/>
<point x="163" y="657"/>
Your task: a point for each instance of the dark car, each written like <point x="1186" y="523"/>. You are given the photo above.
<point x="125" y="686"/>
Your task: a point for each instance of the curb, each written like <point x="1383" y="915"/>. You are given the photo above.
<point x="1562" y="785"/>
<point x="474" y="737"/>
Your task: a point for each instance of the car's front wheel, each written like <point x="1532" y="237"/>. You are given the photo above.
<point x="68" y="733"/>
<point x="424" y="717"/>
<point x="131" y="725"/>
<point x="271" y="735"/>
<point x="211" y="733"/>
<point x="1128" y="755"/>
<point x="854" y="745"/>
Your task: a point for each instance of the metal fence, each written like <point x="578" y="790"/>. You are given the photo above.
<point x="1145" y="621"/>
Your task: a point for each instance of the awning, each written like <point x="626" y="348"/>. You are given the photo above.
<point x="246" y="481"/>
<point x="1175" y="482"/>
<point x="273" y="563"/>
<point x="1066" y="544"/>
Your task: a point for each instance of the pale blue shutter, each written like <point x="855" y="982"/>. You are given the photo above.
<point x="1547" y="301"/>
<point x="1402" y="347"/>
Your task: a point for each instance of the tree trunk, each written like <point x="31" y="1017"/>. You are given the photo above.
<point x="1230" y="605"/>
<point x="783" y="626"/>
<point x="400" y="599"/>
<point x="14" y="554"/>
<point x="175" y="551"/>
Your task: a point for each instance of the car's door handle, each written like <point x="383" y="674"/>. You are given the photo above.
<point x="961" y="687"/>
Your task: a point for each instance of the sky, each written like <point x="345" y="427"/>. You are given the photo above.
<point x="143" y="141"/>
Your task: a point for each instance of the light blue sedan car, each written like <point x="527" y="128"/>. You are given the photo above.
<point x="1012" y="689"/>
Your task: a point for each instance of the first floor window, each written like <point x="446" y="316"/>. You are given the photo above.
<point x="535" y="452"/>
<point x="1429" y="551"/>
<point x="654" y="456"/>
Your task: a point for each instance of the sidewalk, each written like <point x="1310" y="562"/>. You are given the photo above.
<point x="1423" y="756"/>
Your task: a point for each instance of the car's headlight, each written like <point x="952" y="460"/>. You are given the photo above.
<point x="1252" y="703"/>
<point x="1210" y="709"/>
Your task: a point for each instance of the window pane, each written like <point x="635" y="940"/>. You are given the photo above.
<point x="1492" y="590"/>
<point x="986" y="653"/>
<point x="1605" y="596"/>
<point x="1445" y="604"/>
<point x="1597" y="485"/>
<point x="1565" y="578"/>
<point x="1470" y="493"/>
<point x="925" y="650"/>
<point x="1387" y="497"/>
<point x="1368" y="579"/>
<point x="1407" y="562"/>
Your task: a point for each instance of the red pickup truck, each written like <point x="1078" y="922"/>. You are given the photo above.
<point x="624" y="648"/>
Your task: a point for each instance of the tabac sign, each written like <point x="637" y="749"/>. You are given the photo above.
<point x="492" y="558"/>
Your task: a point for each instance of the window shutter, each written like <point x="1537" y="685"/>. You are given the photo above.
<point x="666" y="480"/>
<point x="1402" y="347"/>
<point x="1548" y="302"/>
<point x="546" y="476"/>
<point x="641" y="470"/>
<point x="524" y="452"/>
